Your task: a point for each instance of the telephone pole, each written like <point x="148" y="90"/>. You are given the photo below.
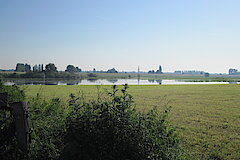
<point x="138" y="75"/>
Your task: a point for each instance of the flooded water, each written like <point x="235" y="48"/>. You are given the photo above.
<point x="107" y="82"/>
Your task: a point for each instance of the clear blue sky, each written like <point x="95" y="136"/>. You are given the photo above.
<point x="125" y="34"/>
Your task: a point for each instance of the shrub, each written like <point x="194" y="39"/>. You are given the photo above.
<point x="47" y="119"/>
<point x="113" y="129"/>
<point x="47" y="122"/>
<point x="8" y="144"/>
<point x="105" y="128"/>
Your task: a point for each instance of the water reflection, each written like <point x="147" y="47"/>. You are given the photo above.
<point x="106" y="82"/>
<point x="151" y="81"/>
<point x="92" y="80"/>
<point x="38" y="82"/>
<point x="233" y="82"/>
<point x="112" y="80"/>
<point x="159" y="82"/>
<point x="51" y="83"/>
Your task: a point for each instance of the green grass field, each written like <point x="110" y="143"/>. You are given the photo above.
<point x="206" y="116"/>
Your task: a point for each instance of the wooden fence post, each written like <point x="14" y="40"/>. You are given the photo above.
<point x="20" y="114"/>
<point x="3" y="100"/>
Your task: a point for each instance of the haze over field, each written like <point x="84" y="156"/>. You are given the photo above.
<point x="179" y="35"/>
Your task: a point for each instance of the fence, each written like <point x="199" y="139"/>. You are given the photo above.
<point x="20" y="125"/>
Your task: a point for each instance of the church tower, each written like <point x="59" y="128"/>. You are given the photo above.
<point x="160" y="69"/>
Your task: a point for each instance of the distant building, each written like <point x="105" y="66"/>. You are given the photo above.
<point x="178" y="72"/>
<point x="159" y="71"/>
<point x="151" y="71"/>
<point x="193" y="72"/>
<point x="113" y="70"/>
<point x="232" y="71"/>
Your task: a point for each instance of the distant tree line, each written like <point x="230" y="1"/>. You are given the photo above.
<point x="51" y="71"/>
<point x="20" y="67"/>
<point x="38" y="71"/>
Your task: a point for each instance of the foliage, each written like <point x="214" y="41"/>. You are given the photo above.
<point x="8" y="149"/>
<point x="50" y="67"/>
<point x="38" y="68"/>
<point x="15" y="94"/>
<point x="106" y="128"/>
<point x="66" y="75"/>
<point x="20" y="67"/>
<point x="206" y="116"/>
<point x="71" y="68"/>
<point x="113" y="129"/>
<point x="32" y="75"/>
<point x="47" y="128"/>
<point x="23" y="68"/>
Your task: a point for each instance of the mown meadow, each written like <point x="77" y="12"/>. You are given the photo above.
<point x="207" y="117"/>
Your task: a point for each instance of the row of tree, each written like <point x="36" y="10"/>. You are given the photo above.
<point x="20" y="67"/>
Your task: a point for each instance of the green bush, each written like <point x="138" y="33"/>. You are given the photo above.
<point x="8" y="144"/>
<point x="106" y="128"/>
<point x="47" y="119"/>
<point x="113" y="129"/>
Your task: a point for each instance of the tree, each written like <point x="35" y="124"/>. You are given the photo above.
<point x="20" y="67"/>
<point x="27" y="68"/>
<point x="51" y="67"/>
<point x="35" y="68"/>
<point x="38" y="68"/>
<point x="78" y="69"/>
<point x="71" y="68"/>
<point x="41" y="69"/>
